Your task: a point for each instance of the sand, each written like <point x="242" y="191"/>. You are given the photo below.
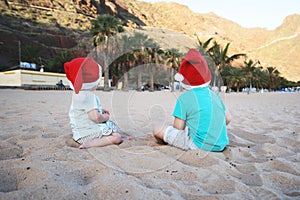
<point x="261" y="162"/>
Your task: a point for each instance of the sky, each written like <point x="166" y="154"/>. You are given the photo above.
<point x="267" y="14"/>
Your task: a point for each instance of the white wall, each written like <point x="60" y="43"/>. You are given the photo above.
<point x="25" y="77"/>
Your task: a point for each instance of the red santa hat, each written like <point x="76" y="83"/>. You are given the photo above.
<point x="83" y="73"/>
<point x="194" y="70"/>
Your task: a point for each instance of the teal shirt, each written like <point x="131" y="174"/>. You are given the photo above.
<point x="204" y="114"/>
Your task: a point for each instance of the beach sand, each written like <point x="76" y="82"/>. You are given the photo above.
<point x="261" y="162"/>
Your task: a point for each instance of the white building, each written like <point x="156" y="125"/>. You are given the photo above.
<point x="27" y="78"/>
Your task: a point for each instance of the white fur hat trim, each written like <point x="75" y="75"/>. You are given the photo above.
<point x="87" y="86"/>
<point x="179" y="77"/>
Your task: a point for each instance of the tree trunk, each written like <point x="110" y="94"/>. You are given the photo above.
<point x="100" y="8"/>
<point x="7" y="3"/>
<point x="106" y="68"/>
<point x="125" y="76"/>
<point x="217" y="80"/>
<point x="151" y="89"/>
<point x="106" y="74"/>
<point x="139" y="79"/>
<point x="172" y="79"/>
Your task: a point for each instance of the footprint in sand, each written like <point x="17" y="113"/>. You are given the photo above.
<point x="288" y="184"/>
<point x="10" y="150"/>
<point x="20" y="178"/>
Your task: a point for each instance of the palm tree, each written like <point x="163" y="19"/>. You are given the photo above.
<point x="203" y="46"/>
<point x="221" y="58"/>
<point x="172" y="59"/>
<point x="56" y="64"/>
<point x="154" y="57"/>
<point x="30" y="54"/>
<point x="140" y="42"/>
<point x="259" y="78"/>
<point x="104" y="27"/>
<point x="249" y="69"/>
<point x="273" y="75"/>
<point x="126" y="59"/>
<point x="277" y="77"/>
<point x="233" y="77"/>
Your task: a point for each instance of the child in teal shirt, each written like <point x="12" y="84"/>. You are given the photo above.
<point x="199" y="108"/>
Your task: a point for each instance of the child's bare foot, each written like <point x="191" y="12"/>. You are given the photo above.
<point x="72" y="143"/>
<point x="85" y="145"/>
<point x="149" y="135"/>
<point x="130" y="138"/>
<point x="114" y="138"/>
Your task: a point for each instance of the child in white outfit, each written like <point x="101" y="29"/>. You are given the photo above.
<point x="90" y="123"/>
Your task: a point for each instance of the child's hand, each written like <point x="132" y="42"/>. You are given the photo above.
<point x="105" y="111"/>
<point x="97" y="117"/>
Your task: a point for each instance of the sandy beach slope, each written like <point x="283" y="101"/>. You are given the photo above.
<point x="261" y="162"/>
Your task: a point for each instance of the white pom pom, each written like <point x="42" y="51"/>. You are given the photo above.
<point x="179" y="77"/>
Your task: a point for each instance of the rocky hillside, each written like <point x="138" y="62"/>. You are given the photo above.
<point x="55" y="26"/>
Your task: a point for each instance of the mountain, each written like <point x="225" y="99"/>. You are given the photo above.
<point x="55" y="26"/>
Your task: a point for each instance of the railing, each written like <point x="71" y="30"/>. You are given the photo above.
<point x="45" y="87"/>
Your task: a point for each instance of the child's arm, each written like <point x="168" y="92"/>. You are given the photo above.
<point x="179" y="123"/>
<point x="228" y="116"/>
<point x="97" y="117"/>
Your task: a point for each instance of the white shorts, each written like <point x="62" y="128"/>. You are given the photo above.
<point x="179" y="138"/>
<point x="108" y="128"/>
